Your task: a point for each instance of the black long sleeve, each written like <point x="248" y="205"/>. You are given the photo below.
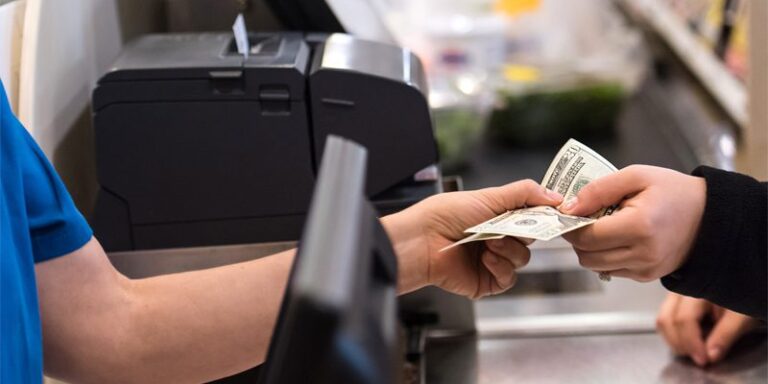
<point x="727" y="263"/>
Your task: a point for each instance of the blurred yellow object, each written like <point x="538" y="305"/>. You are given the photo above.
<point x="737" y="55"/>
<point x="521" y="73"/>
<point x="713" y="23"/>
<point x="516" y="7"/>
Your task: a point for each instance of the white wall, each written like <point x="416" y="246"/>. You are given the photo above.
<point x="11" y="25"/>
<point x="66" y="46"/>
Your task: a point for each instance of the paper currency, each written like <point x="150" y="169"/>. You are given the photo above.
<point x="475" y="237"/>
<point x="574" y="166"/>
<point x="538" y="223"/>
<point x="526" y="224"/>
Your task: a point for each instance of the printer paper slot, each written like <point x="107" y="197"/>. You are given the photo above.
<point x="260" y="46"/>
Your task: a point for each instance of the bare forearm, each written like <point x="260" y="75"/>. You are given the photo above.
<point x="407" y="239"/>
<point x="210" y="323"/>
<point x="204" y="323"/>
<point x="99" y="326"/>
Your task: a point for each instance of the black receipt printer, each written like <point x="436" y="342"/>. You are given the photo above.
<point x="198" y="145"/>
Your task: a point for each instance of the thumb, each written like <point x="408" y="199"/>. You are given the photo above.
<point x="726" y="332"/>
<point x="607" y="191"/>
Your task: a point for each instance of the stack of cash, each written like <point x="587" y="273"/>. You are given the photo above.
<point x="574" y="167"/>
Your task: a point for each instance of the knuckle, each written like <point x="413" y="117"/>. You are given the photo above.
<point x="634" y="169"/>
<point x="529" y="183"/>
<point x="476" y="295"/>
<point x="682" y="319"/>
<point x="717" y="339"/>
<point x="662" y="322"/>
<point x="586" y="240"/>
<point x="520" y="259"/>
<point x="584" y="262"/>
<point x="526" y="186"/>
<point x="512" y="281"/>
<point x="645" y="279"/>
<point x="644" y="226"/>
<point x="646" y="257"/>
<point x="524" y="258"/>
<point x="594" y="193"/>
<point x="588" y="191"/>
<point x="644" y="276"/>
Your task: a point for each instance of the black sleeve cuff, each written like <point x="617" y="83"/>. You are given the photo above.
<point x="727" y="262"/>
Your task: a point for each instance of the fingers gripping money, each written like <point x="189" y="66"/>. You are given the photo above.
<point x="574" y="166"/>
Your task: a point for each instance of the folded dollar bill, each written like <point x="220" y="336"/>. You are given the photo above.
<point x="574" y="166"/>
<point x="538" y="223"/>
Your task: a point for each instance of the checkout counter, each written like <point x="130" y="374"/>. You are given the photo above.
<point x="558" y="324"/>
<point x="573" y="329"/>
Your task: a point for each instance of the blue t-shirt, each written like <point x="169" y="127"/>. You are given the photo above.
<point x="38" y="222"/>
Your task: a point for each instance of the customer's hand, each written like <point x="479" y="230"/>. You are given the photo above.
<point x="679" y="321"/>
<point x="652" y="232"/>
<point x="476" y="269"/>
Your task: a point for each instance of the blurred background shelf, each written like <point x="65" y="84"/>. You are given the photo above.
<point x="724" y="86"/>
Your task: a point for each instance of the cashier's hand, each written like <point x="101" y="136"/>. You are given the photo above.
<point x="652" y="232"/>
<point x="473" y="270"/>
<point x="679" y="322"/>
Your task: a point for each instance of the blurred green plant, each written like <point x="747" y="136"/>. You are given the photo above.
<point x="543" y="117"/>
<point x="457" y="129"/>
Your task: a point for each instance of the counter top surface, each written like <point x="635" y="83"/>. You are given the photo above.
<point x="629" y="358"/>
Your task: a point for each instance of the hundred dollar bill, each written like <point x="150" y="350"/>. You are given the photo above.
<point x="574" y="166"/>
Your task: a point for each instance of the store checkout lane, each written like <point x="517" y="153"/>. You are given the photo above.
<point x="560" y="324"/>
<point x="183" y="191"/>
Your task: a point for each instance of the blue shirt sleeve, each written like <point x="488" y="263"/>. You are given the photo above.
<point x="56" y="227"/>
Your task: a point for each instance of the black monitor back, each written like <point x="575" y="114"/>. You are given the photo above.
<point x="338" y="321"/>
<point x="306" y="15"/>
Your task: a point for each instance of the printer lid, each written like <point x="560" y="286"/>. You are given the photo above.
<point x="199" y="55"/>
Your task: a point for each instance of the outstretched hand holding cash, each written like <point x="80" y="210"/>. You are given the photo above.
<point x="640" y="222"/>
<point x="703" y="234"/>
<point x="654" y="228"/>
<point x="657" y="219"/>
<point x="575" y="166"/>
